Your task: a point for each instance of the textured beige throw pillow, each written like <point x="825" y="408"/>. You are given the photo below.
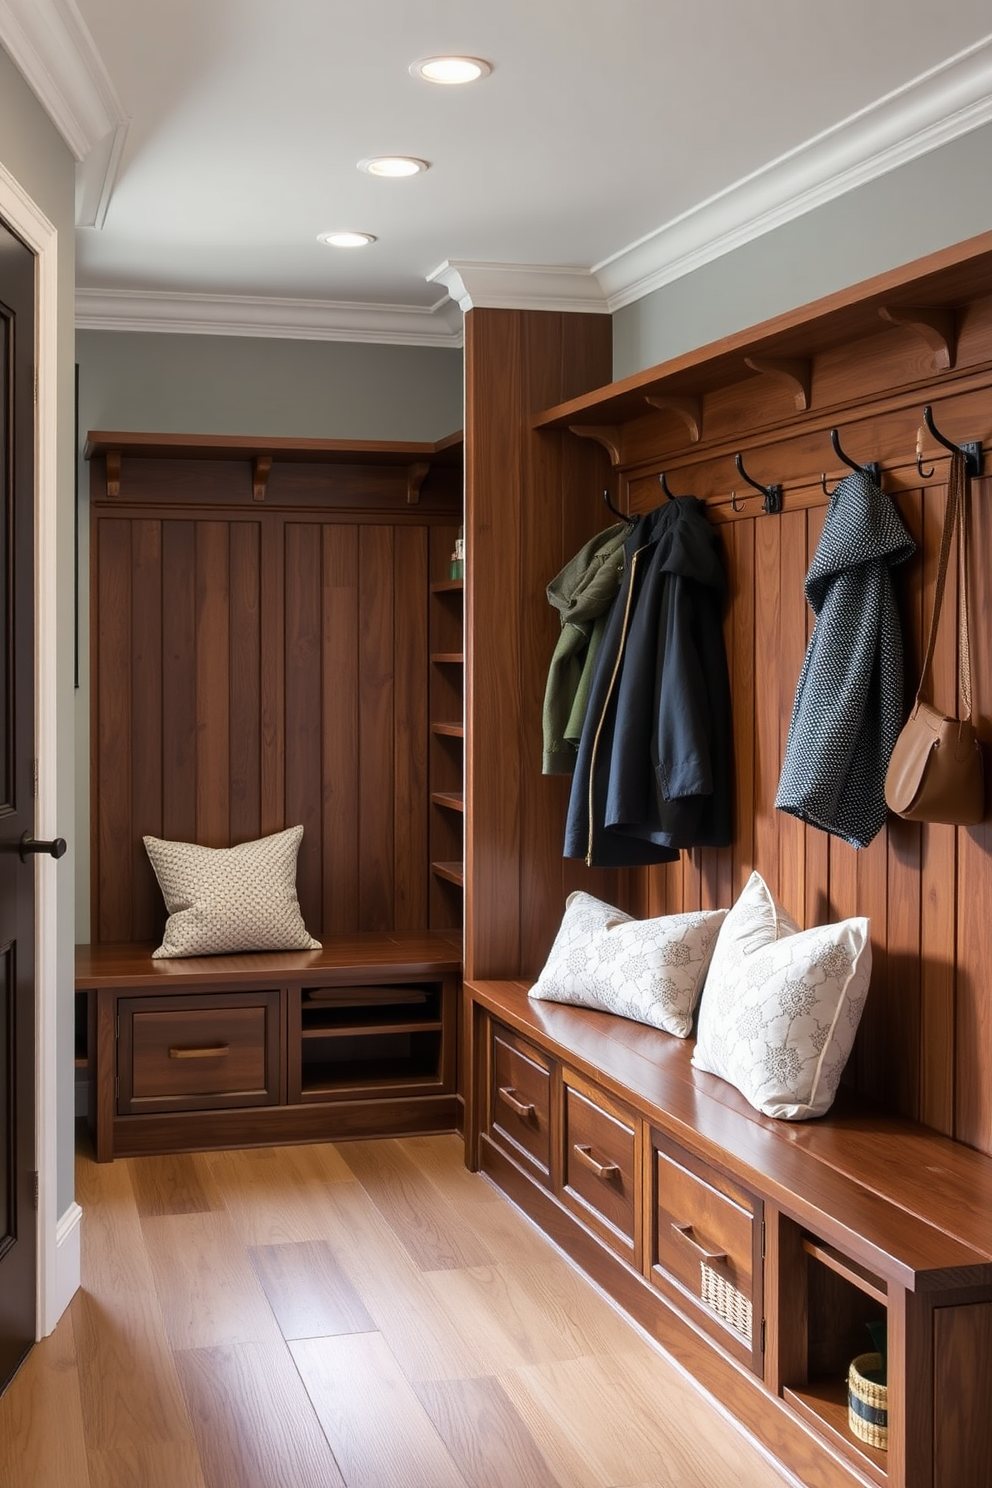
<point x="226" y="899"/>
<point x="649" y="970"/>
<point x="782" y="1005"/>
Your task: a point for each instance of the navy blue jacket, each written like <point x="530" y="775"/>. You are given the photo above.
<point x="653" y="772"/>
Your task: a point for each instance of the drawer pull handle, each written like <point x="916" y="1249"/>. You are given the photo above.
<point x="602" y="1170"/>
<point x="711" y="1257"/>
<point x="522" y="1108"/>
<point x="212" y="1051"/>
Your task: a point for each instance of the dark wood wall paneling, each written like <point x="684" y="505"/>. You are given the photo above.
<point x="925" y="1046"/>
<point x="258" y="665"/>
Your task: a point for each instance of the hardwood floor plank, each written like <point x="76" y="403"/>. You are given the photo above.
<point x="128" y="1387"/>
<point x="175" y="1184"/>
<point x="114" y="1259"/>
<point x="164" y="1465"/>
<point x="442" y="1160"/>
<point x="207" y="1287"/>
<point x="253" y="1421"/>
<point x="41" y="1419"/>
<point x="506" y="1326"/>
<point x="278" y="1195"/>
<point x="379" y="1432"/>
<point x="671" y="1434"/>
<point x="422" y="1218"/>
<point x="307" y="1290"/>
<point x="427" y="1343"/>
<point x="552" y="1286"/>
<point x="485" y="1434"/>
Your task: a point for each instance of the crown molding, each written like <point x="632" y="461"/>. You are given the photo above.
<point x="439" y="324"/>
<point x="933" y="109"/>
<point x="49" y="43"/>
<point x="495" y="286"/>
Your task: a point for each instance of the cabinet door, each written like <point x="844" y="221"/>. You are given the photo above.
<point x="706" y="1248"/>
<point x="200" y="1051"/>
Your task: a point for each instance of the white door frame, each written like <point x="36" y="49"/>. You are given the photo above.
<point x="31" y="224"/>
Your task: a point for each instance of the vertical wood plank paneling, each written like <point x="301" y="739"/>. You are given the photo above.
<point x="767" y="691"/>
<point x="273" y="626"/>
<point x="178" y="681"/>
<point x="791" y="650"/>
<point x="246" y="679"/>
<point x="740" y="550"/>
<point x="302" y="730"/>
<point x="375" y="728"/>
<point x="974" y="908"/>
<point x="939" y="851"/>
<point x="410" y="865"/>
<point x="112" y="729"/>
<point x="213" y="683"/>
<point x="816" y="906"/>
<point x="339" y="694"/>
<point x="146" y="722"/>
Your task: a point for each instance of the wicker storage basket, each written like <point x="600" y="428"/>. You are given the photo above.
<point x="721" y="1297"/>
<point x="867" y="1402"/>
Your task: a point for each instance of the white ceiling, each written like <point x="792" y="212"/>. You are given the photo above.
<point x="616" y="144"/>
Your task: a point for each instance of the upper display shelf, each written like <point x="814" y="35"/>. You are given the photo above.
<point x="923" y="299"/>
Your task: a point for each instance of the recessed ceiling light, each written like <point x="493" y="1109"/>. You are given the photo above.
<point x="393" y="165"/>
<point x="346" y="239"/>
<point x="450" y="69"/>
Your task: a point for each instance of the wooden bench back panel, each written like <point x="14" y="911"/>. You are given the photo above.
<point x="255" y="669"/>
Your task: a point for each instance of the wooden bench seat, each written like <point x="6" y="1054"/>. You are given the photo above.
<point x="676" y="1195"/>
<point x="356" y="1039"/>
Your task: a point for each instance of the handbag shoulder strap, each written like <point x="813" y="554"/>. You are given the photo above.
<point x="955" y="520"/>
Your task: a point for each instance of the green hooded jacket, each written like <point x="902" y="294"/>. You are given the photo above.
<point x="582" y="594"/>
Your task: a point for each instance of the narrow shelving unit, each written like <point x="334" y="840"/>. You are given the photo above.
<point x="447" y="752"/>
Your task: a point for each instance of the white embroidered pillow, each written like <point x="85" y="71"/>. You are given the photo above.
<point x="782" y="1005"/>
<point x="227" y="899"/>
<point x="649" y="970"/>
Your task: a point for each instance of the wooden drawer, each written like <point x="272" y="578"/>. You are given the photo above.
<point x="600" y="1174"/>
<point x="707" y="1242"/>
<point x="520" y="1101"/>
<point x="197" y="1052"/>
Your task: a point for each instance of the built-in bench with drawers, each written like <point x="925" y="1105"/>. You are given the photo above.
<point x="755" y="1251"/>
<point x="356" y="1039"/>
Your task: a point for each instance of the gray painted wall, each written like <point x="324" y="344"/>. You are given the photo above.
<point x="33" y="152"/>
<point x="935" y="201"/>
<point x="242" y="385"/>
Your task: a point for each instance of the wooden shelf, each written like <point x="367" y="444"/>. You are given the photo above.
<point x="824" y="1404"/>
<point x="851" y="1271"/>
<point x="451" y="872"/>
<point x="367" y="1029"/>
<point x="449" y="730"/>
<point x="309" y="451"/>
<point x="450" y="800"/>
<point x="448" y="658"/>
<point x="448" y="586"/>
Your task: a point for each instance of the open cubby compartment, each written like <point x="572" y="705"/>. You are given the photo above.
<point x="842" y="1298"/>
<point x="363" y="1038"/>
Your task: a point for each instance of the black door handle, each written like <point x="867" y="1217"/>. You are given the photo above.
<point x="30" y="844"/>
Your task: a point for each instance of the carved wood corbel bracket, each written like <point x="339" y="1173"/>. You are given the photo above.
<point x="608" y="435"/>
<point x="415" y="476"/>
<point x="113" y="472"/>
<point x="795" y="372"/>
<point x="938" y="328"/>
<point x="689" y="410"/>
<point x="261" y="465"/>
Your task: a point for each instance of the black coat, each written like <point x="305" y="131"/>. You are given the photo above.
<point x="654" y="760"/>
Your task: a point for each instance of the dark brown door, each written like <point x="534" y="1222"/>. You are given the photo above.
<point x="18" y="1219"/>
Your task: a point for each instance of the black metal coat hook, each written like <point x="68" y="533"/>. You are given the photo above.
<point x="872" y="467"/>
<point x="971" y="449"/>
<point x="772" y="494"/>
<point x="669" y="494"/>
<point x="623" y="517"/>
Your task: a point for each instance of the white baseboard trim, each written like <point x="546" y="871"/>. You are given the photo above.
<point x="68" y="1260"/>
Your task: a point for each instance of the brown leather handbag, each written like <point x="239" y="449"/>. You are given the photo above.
<point x="936" y="772"/>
